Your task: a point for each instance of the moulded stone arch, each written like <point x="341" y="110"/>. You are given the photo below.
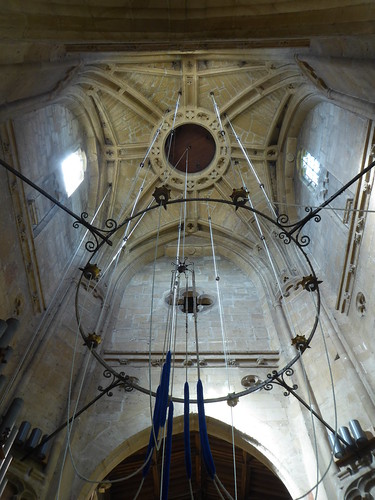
<point x="215" y="428"/>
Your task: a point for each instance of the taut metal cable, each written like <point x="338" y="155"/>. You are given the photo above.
<point x="334" y="407"/>
<point x="70" y="389"/>
<point x="261" y="185"/>
<point x="313" y="425"/>
<point x="173" y="124"/>
<point x="51" y="304"/>
<point x="196" y="324"/>
<point x="224" y="341"/>
<point x="151" y="321"/>
<point x="141" y="165"/>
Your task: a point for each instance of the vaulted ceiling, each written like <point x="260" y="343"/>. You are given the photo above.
<point x="134" y="102"/>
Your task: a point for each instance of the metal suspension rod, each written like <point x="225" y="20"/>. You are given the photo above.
<point x="196" y="324"/>
<point x="289" y="389"/>
<point x="261" y="185"/>
<point x="302" y="222"/>
<point x="113" y="385"/>
<point x="173" y="123"/>
<point x="222" y="131"/>
<point x="142" y="164"/>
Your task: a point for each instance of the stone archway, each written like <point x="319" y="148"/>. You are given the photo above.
<point x="259" y="475"/>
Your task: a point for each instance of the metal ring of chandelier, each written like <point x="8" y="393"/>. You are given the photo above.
<point x="313" y="286"/>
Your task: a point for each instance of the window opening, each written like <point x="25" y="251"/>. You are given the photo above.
<point x="310" y="169"/>
<point x="347" y="211"/>
<point x="73" y="170"/>
<point x="187" y="301"/>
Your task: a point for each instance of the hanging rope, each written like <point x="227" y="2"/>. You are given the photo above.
<point x="315" y="441"/>
<point x="270" y="205"/>
<point x="222" y="132"/>
<point x="151" y="315"/>
<point x="223" y="336"/>
<point x="195" y="313"/>
<point x="165" y="389"/>
<point x="220" y="485"/>
<point x="205" y="445"/>
<point x="116" y="261"/>
<point x="126" y="236"/>
<point x="185" y="204"/>
<point x="154" y="429"/>
<point x="50" y="305"/>
<point x="269" y="257"/>
<point x="260" y="184"/>
<point x="334" y="408"/>
<point x="70" y="390"/>
<point x="168" y="453"/>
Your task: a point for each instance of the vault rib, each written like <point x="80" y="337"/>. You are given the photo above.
<point x="174" y="73"/>
<point x="231" y="70"/>
<point x="128" y="89"/>
<point x="258" y="91"/>
<point x="190" y="82"/>
<point x="129" y="100"/>
<point x="254" y="152"/>
<point x="104" y="119"/>
<point x="77" y="95"/>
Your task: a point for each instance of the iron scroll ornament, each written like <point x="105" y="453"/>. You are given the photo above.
<point x="229" y="397"/>
<point x="102" y="236"/>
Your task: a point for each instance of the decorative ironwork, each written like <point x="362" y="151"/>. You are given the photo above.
<point x="289" y="229"/>
<point x="287" y="232"/>
<point x="275" y="378"/>
<point x="123" y="383"/>
<point x="309" y="283"/>
<point x="93" y="340"/>
<point x="90" y="271"/>
<point x="162" y="195"/>
<point x="182" y="266"/>
<point x="239" y="197"/>
<point x="121" y="380"/>
<point x="301" y="343"/>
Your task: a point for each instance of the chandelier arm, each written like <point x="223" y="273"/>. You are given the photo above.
<point x="291" y="390"/>
<point x="80" y="219"/>
<point x="116" y="382"/>
<point x="314" y="213"/>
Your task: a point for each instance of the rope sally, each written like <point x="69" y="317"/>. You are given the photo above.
<point x="168" y="453"/>
<point x="205" y="445"/>
<point x="160" y="410"/>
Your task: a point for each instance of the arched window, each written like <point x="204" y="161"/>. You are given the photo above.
<point x="73" y="169"/>
<point x="310" y="168"/>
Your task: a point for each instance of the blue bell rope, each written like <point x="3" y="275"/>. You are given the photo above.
<point x="154" y="430"/>
<point x="206" y="451"/>
<point x="165" y="388"/>
<point x="168" y="453"/>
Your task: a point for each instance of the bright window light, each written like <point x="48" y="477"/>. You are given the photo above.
<point x="73" y="169"/>
<point x="310" y="168"/>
